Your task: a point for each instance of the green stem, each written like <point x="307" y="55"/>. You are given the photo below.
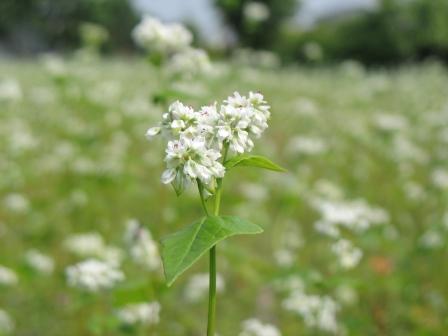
<point x="212" y="264"/>
<point x="201" y="195"/>
<point x="212" y="294"/>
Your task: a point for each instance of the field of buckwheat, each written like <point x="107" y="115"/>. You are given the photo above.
<point x="356" y="231"/>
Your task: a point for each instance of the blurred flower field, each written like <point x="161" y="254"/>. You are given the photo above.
<point x="355" y="232"/>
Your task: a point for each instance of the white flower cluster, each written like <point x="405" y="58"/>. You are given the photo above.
<point x="91" y="244"/>
<point x="7" y="276"/>
<point x="16" y="203"/>
<point x="317" y="312"/>
<point x="357" y="216"/>
<point x="40" y="262"/>
<point x="152" y="34"/>
<point x="142" y="248"/>
<point x="6" y="323"/>
<point x="349" y="255"/>
<point x="196" y="138"/>
<point x="172" y="41"/>
<point x="254" y="327"/>
<point x="139" y="314"/>
<point x="190" y="62"/>
<point x="85" y="244"/>
<point x="197" y="286"/>
<point x="10" y="90"/>
<point x="93" y="275"/>
<point x="256" y="11"/>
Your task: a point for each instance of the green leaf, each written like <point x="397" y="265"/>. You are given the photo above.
<point x="183" y="248"/>
<point x="253" y="161"/>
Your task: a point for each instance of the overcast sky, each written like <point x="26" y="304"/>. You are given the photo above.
<point x="205" y="17"/>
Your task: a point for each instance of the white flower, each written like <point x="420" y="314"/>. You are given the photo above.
<point x="254" y="327"/>
<point x="10" y="90"/>
<point x="355" y="215"/>
<point x="256" y="11"/>
<point x="431" y="239"/>
<point x="317" y="312"/>
<point x="85" y="244"/>
<point x="16" y="203"/>
<point x="91" y="244"/>
<point x="139" y="314"/>
<point x="190" y="62"/>
<point x="349" y="255"/>
<point x="142" y="248"/>
<point x="178" y="120"/>
<point x="306" y="145"/>
<point x="39" y="261"/>
<point x="346" y="295"/>
<point x="93" y="275"/>
<point x="7" y="276"/>
<point x="196" y="138"/>
<point x="54" y="65"/>
<point x="112" y="255"/>
<point x="390" y="122"/>
<point x="153" y="35"/>
<point x="240" y="118"/>
<point x="6" y="323"/>
<point x="191" y="159"/>
<point x="197" y="286"/>
<point x="440" y="178"/>
<point x="151" y="132"/>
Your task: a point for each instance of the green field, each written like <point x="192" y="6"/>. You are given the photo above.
<point x="367" y="147"/>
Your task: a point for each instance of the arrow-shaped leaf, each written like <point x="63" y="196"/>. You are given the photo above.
<point x="183" y="248"/>
<point x="253" y="161"/>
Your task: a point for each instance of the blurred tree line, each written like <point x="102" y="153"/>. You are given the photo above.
<point x="257" y="24"/>
<point x="397" y="31"/>
<point x="35" y="25"/>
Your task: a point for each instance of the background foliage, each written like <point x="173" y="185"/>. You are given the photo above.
<point x="36" y="25"/>
<point x="397" y="31"/>
<point x="256" y="34"/>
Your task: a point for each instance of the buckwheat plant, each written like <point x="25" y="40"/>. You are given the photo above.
<point x="202" y="146"/>
<point x="168" y="47"/>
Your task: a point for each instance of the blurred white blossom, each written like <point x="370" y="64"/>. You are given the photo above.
<point x="85" y="244"/>
<point x="190" y="62"/>
<point x="153" y="35"/>
<point x="197" y="286"/>
<point x="10" y="90"/>
<point x="390" y="122"/>
<point x="7" y="325"/>
<point x="440" y="178"/>
<point x="306" y="145"/>
<point x="349" y="255"/>
<point x="16" y="202"/>
<point x="346" y="295"/>
<point x="432" y="239"/>
<point x="316" y="311"/>
<point x="356" y="215"/>
<point x="254" y="327"/>
<point x="256" y="11"/>
<point x="93" y="275"/>
<point x="39" y="261"/>
<point x="142" y="248"/>
<point x="7" y="276"/>
<point x="146" y="313"/>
